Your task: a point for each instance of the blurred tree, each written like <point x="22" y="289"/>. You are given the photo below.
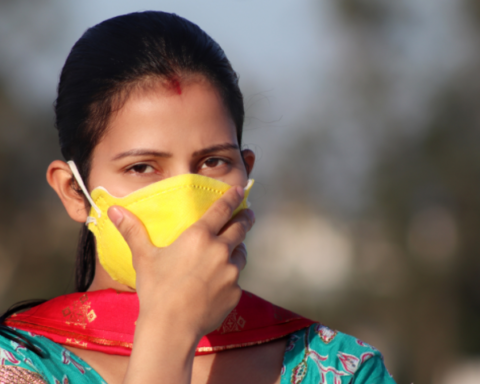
<point x="369" y="13"/>
<point x="437" y="172"/>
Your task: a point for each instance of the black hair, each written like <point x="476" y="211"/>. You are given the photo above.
<point x="109" y="61"/>
<point x="12" y="334"/>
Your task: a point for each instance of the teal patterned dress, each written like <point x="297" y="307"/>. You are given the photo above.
<point x="315" y="355"/>
<point x="318" y="355"/>
<point x="59" y="366"/>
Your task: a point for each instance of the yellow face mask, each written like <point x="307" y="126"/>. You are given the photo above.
<point x="166" y="209"/>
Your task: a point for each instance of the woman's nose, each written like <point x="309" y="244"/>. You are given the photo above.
<point x="182" y="169"/>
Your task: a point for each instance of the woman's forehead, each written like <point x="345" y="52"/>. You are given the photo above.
<point x="161" y="116"/>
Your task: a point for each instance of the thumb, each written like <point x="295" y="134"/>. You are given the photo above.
<point x="131" y="228"/>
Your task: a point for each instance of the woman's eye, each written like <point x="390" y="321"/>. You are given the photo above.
<point x="212" y="163"/>
<point x="141" y="168"/>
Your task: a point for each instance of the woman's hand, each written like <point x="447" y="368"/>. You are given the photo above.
<point x="186" y="289"/>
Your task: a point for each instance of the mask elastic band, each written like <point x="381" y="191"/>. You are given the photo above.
<point x="91" y="219"/>
<point x="77" y="176"/>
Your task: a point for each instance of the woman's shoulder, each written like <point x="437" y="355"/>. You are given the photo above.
<point x="56" y="365"/>
<point x="320" y="354"/>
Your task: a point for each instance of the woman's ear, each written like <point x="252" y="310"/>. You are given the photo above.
<point x="249" y="160"/>
<point x="59" y="176"/>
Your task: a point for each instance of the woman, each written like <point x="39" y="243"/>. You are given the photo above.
<point x="150" y="115"/>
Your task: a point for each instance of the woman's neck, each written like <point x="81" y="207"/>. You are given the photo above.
<point x="102" y="280"/>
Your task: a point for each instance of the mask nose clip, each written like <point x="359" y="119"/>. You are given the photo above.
<point x="80" y="182"/>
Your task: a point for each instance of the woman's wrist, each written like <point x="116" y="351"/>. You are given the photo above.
<point x="173" y="327"/>
<point x="171" y="312"/>
<point x="163" y="345"/>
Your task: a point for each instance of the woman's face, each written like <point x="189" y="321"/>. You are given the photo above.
<point x="162" y="132"/>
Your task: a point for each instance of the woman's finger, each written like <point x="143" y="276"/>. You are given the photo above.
<point x="235" y="231"/>
<point x="222" y="210"/>
<point x="131" y="228"/>
<point x="239" y="256"/>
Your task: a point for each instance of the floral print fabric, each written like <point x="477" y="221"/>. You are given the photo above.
<point x="10" y="374"/>
<point x="320" y="355"/>
<point x="58" y="367"/>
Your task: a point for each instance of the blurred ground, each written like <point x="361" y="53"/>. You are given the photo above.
<point x="364" y="117"/>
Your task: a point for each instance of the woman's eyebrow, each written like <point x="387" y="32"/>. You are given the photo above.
<point x="215" y="148"/>
<point x="142" y="152"/>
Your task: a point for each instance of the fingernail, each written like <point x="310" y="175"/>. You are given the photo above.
<point x="251" y="214"/>
<point x="240" y="192"/>
<point x="116" y="215"/>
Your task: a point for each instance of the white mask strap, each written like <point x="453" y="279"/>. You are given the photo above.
<point x="250" y="183"/>
<point x="77" y="176"/>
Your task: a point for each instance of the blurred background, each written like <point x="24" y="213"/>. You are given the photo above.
<point x="365" y="118"/>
